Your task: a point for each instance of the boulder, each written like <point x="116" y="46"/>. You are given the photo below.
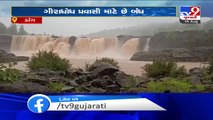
<point x="73" y="83"/>
<point x="44" y="72"/>
<point x="195" y="71"/>
<point x="98" y="90"/>
<point x="10" y="57"/>
<point x="120" y="75"/>
<point x="99" y="83"/>
<point x="67" y="89"/>
<point x="112" y="88"/>
<point x="196" y="80"/>
<point x="103" y="68"/>
<point x="23" y="87"/>
<point x="126" y="82"/>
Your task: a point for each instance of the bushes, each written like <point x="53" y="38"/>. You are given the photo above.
<point x="173" y="85"/>
<point x="111" y="61"/>
<point x="55" y="87"/>
<point x="8" y="74"/>
<point x="160" y="69"/>
<point x="108" y="60"/>
<point x="49" y="60"/>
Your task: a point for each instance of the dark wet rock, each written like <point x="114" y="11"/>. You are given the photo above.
<point x="68" y="89"/>
<point x="44" y="72"/>
<point x="23" y="87"/>
<point x="80" y="80"/>
<point x="99" y="83"/>
<point x="126" y="82"/>
<point x="141" y="80"/>
<point x="39" y="80"/>
<point x="103" y="68"/>
<point x="2" y="52"/>
<point x="195" y="71"/>
<point x="196" y="80"/>
<point x="72" y="40"/>
<point x="22" y="58"/>
<point x="73" y="83"/>
<point x="98" y="90"/>
<point x="75" y="73"/>
<point x="120" y="75"/>
<point x="10" y="57"/>
<point x="113" y="88"/>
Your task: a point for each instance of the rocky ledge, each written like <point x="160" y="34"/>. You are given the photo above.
<point x="178" y="55"/>
<point x="103" y="77"/>
<point x="10" y="57"/>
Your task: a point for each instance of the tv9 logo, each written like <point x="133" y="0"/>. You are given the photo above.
<point x="190" y="15"/>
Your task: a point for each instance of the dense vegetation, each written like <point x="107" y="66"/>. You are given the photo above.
<point x="9" y="74"/>
<point x="48" y="60"/>
<point x="12" y="29"/>
<point x="173" y="85"/>
<point x="160" y="69"/>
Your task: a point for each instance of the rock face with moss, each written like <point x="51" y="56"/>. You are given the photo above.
<point x="179" y="55"/>
<point x="184" y="39"/>
<point x="181" y="46"/>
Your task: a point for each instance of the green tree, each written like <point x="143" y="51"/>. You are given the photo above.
<point x="22" y="31"/>
<point x="3" y="28"/>
<point x="12" y="29"/>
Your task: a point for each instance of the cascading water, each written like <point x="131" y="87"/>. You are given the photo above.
<point x="82" y="47"/>
<point x="27" y="43"/>
<point x="130" y="47"/>
<point x="97" y="46"/>
<point x="146" y="47"/>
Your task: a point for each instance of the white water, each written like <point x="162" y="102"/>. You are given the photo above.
<point x="146" y="47"/>
<point x="130" y="47"/>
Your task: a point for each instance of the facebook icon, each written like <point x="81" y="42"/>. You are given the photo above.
<point x="38" y="103"/>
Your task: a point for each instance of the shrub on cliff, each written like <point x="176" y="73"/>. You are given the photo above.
<point x="49" y="60"/>
<point x="160" y="69"/>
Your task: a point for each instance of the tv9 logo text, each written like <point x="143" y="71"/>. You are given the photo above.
<point x="190" y="15"/>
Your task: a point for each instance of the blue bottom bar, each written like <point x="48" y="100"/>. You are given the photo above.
<point x="178" y="106"/>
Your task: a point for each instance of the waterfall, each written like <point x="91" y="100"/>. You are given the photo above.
<point x="82" y="47"/>
<point x="43" y="43"/>
<point x="146" y="47"/>
<point x="97" y="46"/>
<point x="130" y="47"/>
